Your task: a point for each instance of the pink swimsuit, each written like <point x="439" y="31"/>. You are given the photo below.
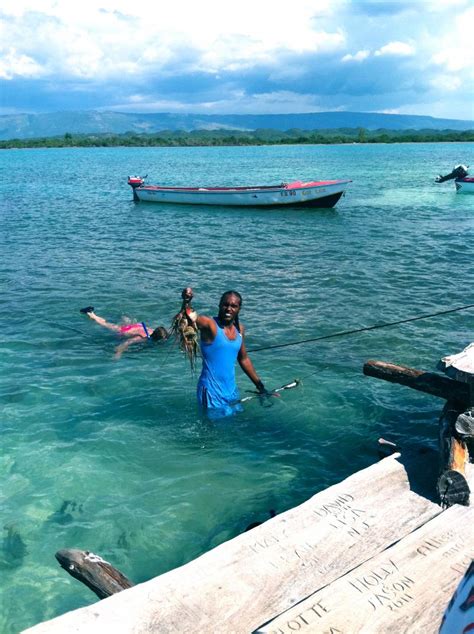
<point x="128" y="327"/>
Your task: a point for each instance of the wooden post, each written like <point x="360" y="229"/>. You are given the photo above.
<point x="455" y="425"/>
<point x="453" y="454"/>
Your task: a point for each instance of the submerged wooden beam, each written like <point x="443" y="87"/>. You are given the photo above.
<point x="93" y="571"/>
<point x="428" y="382"/>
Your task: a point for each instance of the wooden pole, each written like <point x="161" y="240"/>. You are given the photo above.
<point x="453" y="454"/>
<point x="429" y="382"/>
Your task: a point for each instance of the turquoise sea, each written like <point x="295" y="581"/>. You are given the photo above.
<point x="112" y="456"/>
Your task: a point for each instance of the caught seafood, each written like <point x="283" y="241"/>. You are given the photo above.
<point x="185" y="330"/>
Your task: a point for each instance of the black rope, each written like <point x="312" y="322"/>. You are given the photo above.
<point x="352" y="332"/>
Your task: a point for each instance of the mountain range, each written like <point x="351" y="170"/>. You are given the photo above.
<point x="28" y="126"/>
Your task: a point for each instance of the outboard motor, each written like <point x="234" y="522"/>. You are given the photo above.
<point x="134" y="182"/>
<point x="459" y="171"/>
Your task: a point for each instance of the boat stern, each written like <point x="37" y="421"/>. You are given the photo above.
<point x="134" y="182"/>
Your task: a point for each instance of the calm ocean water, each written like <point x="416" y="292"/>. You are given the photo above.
<point x="112" y="456"/>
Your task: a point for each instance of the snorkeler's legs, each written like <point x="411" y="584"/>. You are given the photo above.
<point x="102" y="322"/>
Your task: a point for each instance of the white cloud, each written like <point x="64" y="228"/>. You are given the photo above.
<point x="146" y="103"/>
<point x="14" y="64"/>
<point x="446" y="83"/>
<point x="455" y="51"/>
<point x="357" y="57"/>
<point x="443" y="5"/>
<point x="101" y="35"/>
<point x="396" y="48"/>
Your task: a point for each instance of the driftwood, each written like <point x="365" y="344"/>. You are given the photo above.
<point x="453" y="487"/>
<point x="428" y="382"/>
<point x="93" y="571"/>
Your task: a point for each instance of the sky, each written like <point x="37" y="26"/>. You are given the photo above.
<point x="239" y="57"/>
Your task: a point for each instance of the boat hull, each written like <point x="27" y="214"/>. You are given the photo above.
<point x="313" y="194"/>
<point x="465" y="185"/>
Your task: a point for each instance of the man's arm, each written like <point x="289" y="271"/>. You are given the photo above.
<point x="247" y="365"/>
<point x="126" y="344"/>
<point x="206" y="325"/>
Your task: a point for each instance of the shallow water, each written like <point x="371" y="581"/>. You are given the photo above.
<point x="112" y="456"/>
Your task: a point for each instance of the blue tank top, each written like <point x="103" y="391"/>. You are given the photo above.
<point x="216" y="386"/>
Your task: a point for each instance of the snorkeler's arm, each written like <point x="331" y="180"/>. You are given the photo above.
<point x="125" y="345"/>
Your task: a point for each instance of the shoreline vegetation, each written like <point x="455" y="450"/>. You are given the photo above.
<point x="209" y="138"/>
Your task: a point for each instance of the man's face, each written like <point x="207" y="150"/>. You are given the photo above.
<point x="229" y="309"/>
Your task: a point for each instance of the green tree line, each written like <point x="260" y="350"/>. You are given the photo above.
<point x="182" y="138"/>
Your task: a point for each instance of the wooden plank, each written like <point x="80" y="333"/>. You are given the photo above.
<point x="403" y="589"/>
<point x="244" y="582"/>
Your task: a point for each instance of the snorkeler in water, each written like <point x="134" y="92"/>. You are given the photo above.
<point x="135" y="333"/>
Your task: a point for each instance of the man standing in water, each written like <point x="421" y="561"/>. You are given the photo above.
<point x="222" y="344"/>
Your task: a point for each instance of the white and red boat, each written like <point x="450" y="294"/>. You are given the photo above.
<point x="463" y="182"/>
<point x="296" y="194"/>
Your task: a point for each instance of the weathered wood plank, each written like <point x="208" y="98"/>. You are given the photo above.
<point x="244" y="582"/>
<point x="404" y="589"/>
<point x="428" y="382"/>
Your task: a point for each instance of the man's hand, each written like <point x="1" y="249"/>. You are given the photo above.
<point x="187" y="295"/>
<point x="264" y="394"/>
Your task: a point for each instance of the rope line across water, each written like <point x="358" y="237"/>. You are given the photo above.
<point x="352" y="332"/>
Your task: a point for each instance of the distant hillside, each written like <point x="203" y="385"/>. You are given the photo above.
<point x="28" y="126"/>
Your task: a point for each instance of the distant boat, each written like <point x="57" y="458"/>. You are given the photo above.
<point x="296" y="194"/>
<point x="464" y="183"/>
